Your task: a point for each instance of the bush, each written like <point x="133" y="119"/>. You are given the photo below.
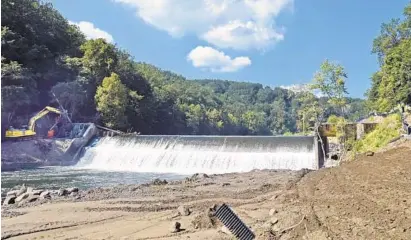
<point x="386" y="131"/>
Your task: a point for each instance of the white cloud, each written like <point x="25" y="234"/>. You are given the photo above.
<point x="242" y="35"/>
<point x="93" y="32"/>
<point x="302" y="88"/>
<point x="237" y="24"/>
<point x="216" y="61"/>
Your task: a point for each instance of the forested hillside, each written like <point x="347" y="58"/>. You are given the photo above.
<point x="99" y="82"/>
<point x="391" y="85"/>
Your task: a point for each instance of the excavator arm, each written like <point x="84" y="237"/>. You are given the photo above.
<point x="41" y="114"/>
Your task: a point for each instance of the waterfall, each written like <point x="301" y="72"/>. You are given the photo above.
<point x="205" y="154"/>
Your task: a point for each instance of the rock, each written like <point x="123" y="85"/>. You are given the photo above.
<point x="158" y="181"/>
<point x="226" y="184"/>
<point x="196" y="177"/>
<point x="10" y="199"/>
<point x="21" y="190"/>
<point x="369" y="153"/>
<point x="29" y="199"/>
<point x="225" y="230"/>
<point x="274" y="220"/>
<point x="32" y="198"/>
<point x="45" y="195"/>
<point x="22" y="197"/>
<point x="29" y="190"/>
<point x="71" y="190"/>
<point x="183" y="210"/>
<point x="62" y="192"/>
<point x="175" y="227"/>
<point x="73" y="194"/>
<point x="204" y="220"/>
<point x="37" y="191"/>
<point x="272" y="211"/>
<point x="12" y="193"/>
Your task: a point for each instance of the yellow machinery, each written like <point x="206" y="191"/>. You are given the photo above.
<point x="28" y="133"/>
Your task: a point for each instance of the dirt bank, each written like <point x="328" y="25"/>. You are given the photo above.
<point x="365" y="199"/>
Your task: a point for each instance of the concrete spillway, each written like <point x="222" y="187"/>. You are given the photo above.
<point x="207" y="154"/>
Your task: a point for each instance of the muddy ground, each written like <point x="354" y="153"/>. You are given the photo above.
<point x="369" y="198"/>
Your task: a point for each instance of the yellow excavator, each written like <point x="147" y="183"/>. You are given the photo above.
<point x="20" y="134"/>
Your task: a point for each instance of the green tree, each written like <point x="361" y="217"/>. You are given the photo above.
<point x="330" y="81"/>
<point x="111" y="101"/>
<point x="392" y="83"/>
<point x="99" y="58"/>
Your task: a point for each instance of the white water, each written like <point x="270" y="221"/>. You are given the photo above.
<point x="205" y="154"/>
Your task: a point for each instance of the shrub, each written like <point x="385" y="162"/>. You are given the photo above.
<point x="386" y="131"/>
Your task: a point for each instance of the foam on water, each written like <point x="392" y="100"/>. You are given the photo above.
<point x="206" y="154"/>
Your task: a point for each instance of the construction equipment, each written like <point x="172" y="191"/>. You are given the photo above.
<point x="19" y="134"/>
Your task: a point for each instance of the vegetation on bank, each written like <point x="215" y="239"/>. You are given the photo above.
<point x="42" y="55"/>
<point x="388" y="130"/>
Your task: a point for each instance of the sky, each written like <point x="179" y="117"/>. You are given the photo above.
<point x="272" y="42"/>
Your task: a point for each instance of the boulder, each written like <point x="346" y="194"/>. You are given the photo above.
<point x="72" y="190"/>
<point x="29" y="190"/>
<point x="32" y="198"/>
<point x="37" y="191"/>
<point x="10" y="199"/>
<point x="22" y="197"/>
<point x="29" y="199"/>
<point x="175" y="227"/>
<point x="45" y="195"/>
<point x="22" y="190"/>
<point x="12" y="193"/>
<point x="73" y="194"/>
<point x="183" y="210"/>
<point x="62" y="192"/>
<point x="158" y="181"/>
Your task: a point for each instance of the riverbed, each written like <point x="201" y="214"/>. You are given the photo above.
<point x="64" y="177"/>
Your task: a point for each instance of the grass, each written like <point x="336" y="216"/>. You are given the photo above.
<point x="386" y="131"/>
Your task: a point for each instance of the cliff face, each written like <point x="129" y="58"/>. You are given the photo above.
<point x="35" y="153"/>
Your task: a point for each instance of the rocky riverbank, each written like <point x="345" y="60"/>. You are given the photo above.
<point x="364" y="199"/>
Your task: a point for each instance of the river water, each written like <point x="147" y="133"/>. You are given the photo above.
<point x="56" y="177"/>
<point x="111" y="161"/>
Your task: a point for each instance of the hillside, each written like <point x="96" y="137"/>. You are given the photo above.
<point x="43" y="54"/>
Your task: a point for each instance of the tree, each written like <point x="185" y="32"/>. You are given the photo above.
<point x="330" y="81"/>
<point x="99" y="58"/>
<point x="391" y="85"/>
<point x="111" y="101"/>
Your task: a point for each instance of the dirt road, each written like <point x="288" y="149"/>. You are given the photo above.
<point x="369" y="198"/>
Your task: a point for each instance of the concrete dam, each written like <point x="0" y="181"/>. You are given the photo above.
<point x="206" y="154"/>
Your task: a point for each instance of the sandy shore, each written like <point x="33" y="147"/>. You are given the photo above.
<point x="366" y="199"/>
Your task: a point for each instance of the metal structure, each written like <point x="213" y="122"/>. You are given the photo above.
<point x="234" y="223"/>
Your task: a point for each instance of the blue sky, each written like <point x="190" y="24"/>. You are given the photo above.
<point x="272" y="42"/>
